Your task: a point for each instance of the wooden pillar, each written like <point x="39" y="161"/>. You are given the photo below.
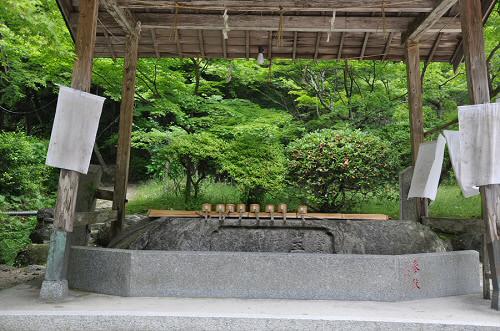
<point x="125" y="130"/>
<point x="54" y="286"/>
<point x="416" y="112"/>
<point x="477" y="80"/>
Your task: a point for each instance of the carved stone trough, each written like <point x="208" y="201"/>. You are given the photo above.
<point x="293" y="260"/>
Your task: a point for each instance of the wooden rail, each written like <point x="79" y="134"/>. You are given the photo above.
<point x="326" y="216"/>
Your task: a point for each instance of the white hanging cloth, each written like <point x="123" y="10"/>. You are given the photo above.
<point x="479" y="144"/>
<point x="74" y="129"/>
<point x="453" y="141"/>
<point x="427" y="171"/>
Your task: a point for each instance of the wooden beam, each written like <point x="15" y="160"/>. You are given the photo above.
<point x="64" y="213"/>
<point x="316" y="45"/>
<point x="339" y="52"/>
<point x="422" y="24"/>
<point x="487" y="7"/>
<point x="412" y="55"/>
<point x="294" y="47"/>
<point x="291" y="23"/>
<point x="387" y="45"/>
<point x="122" y="16"/>
<point x="125" y="129"/>
<point x="201" y="42"/>
<point x="471" y="18"/>
<point x="155" y="43"/>
<point x="270" y="45"/>
<point x="363" y="48"/>
<point x="247" y="45"/>
<point x="289" y="5"/>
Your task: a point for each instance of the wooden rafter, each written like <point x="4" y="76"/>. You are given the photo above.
<point x="155" y="43"/>
<point x="290" y="5"/>
<point x="291" y="23"/>
<point x="316" y="45"/>
<point x="387" y="45"/>
<point x="434" y="48"/>
<point x="122" y="16"/>
<point x="110" y="44"/>
<point x="201" y="42"/>
<point x="270" y="45"/>
<point x="178" y="43"/>
<point x="247" y="45"/>
<point x="224" y="45"/>
<point x="363" y="48"/>
<point x="422" y="24"/>
<point x="294" y="47"/>
<point x="339" y="52"/>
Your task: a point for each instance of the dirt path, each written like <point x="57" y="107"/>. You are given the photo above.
<point x="105" y="204"/>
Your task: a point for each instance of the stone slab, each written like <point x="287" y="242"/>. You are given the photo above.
<point x="273" y="275"/>
<point x="407" y="208"/>
<point x="90" y="311"/>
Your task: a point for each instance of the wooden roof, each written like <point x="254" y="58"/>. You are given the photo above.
<point x="361" y="29"/>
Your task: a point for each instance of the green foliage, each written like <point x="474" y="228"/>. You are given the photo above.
<point x="255" y="161"/>
<point x="24" y="178"/>
<point x="14" y="236"/>
<point x="331" y="164"/>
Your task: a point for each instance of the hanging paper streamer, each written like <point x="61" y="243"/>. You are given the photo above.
<point x="453" y="141"/>
<point x="332" y="26"/>
<point x="74" y="129"/>
<point x="425" y="180"/>
<point x="480" y="144"/>
<point x="226" y="29"/>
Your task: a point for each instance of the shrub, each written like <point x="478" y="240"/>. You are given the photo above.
<point x="335" y="166"/>
<point x="24" y="178"/>
<point x="14" y="236"/>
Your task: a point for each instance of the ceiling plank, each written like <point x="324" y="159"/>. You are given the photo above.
<point x="122" y="16"/>
<point x="422" y="24"/>
<point x="289" y="5"/>
<point x="291" y="23"/>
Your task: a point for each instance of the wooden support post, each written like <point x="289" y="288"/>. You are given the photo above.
<point x="416" y="112"/>
<point x="477" y="79"/>
<point x="125" y="129"/>
<point x="55" y="285"/>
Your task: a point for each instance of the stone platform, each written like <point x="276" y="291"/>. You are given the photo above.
<point x="273" y="275"/>
<point x="20" y="309"/>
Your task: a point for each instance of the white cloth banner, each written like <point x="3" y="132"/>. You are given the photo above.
<point x="479" y="144"/>
<point x="74" y="129"/>
<point x="453" y="141"/>
<point x="427" y="171"/>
